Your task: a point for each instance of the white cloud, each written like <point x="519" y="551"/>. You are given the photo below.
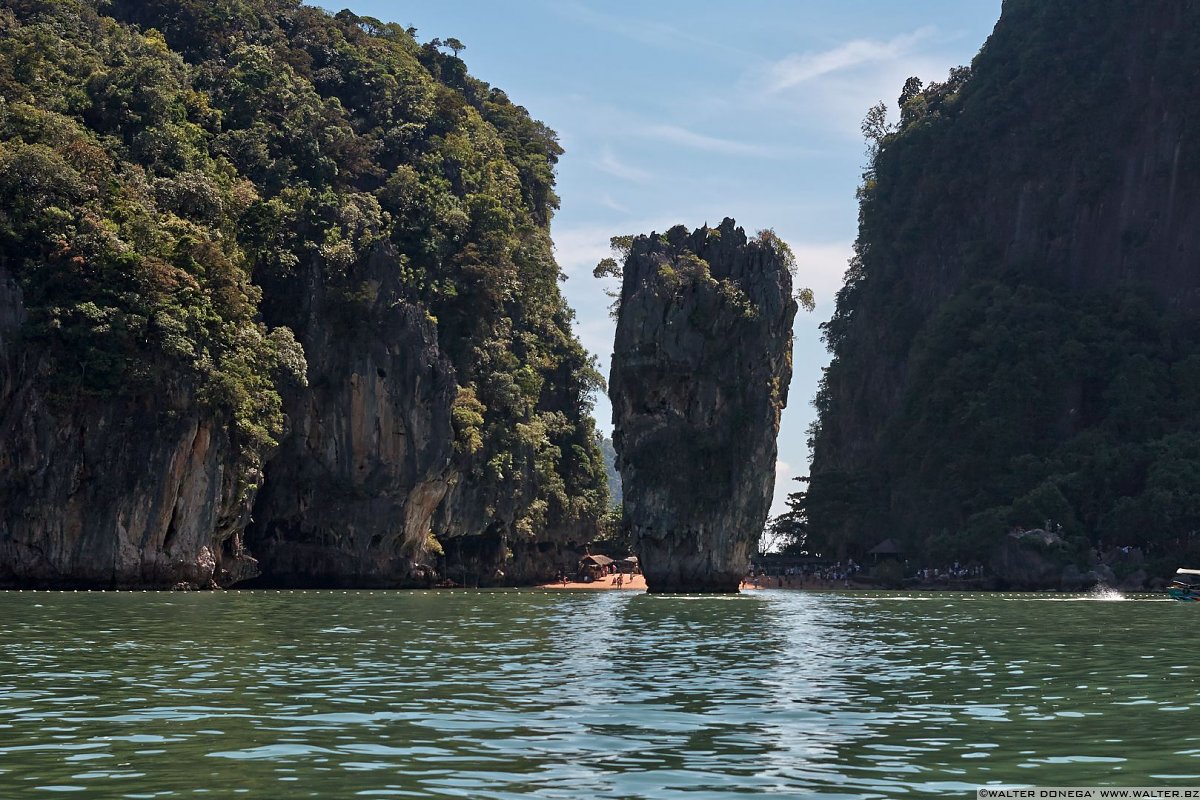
<point x="595" y="125"/>
<point x="610" y="164"/>
<point x="608" y="201"/>
<point x="645" y="31"/>
<point x="801" y="67"/>
<point x="844" y="81"/>
<point x="675" y="134"/>
<point x="597" y="337"/>
<point x="822" y="267"/>
<point x="579" y="249"/>
<point x="783" y="486"/>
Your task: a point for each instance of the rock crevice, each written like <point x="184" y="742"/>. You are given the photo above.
<point x="350" y="495"/>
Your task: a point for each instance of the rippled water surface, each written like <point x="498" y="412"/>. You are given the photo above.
<point x="590" y="695"/>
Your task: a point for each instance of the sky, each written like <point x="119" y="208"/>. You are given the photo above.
<point x="686" y="113"/>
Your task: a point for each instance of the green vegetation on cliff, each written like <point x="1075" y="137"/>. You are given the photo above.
<point x="1016" y="342"/>
<point x="170" y="171"/>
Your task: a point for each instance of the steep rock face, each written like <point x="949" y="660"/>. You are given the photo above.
<point x="700" y="374"/>
<point x="1012" y="342"/>
<point x="351" y="493"/>
<point x="183" y="183"/>
<point x="132" y="493"/>
<point x="478" y="527"/>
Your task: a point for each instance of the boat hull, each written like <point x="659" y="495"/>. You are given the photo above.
<point x="1184" y="594"/>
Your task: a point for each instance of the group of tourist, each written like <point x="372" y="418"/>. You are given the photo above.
<point x="617" y="574"/>
<point x="846" y="573"/>
<point x="955" y="572"/>
<point x="804" y="575"/>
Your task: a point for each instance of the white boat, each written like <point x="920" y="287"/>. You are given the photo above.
<point x="1186" y="586"/>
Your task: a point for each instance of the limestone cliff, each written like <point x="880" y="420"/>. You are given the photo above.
<point x="700" y="374"/>
<point x="138" y="492"/>
<point x="1015" y="340"/>
<point x="350" y="496"/>
<point x="251" y="245"/>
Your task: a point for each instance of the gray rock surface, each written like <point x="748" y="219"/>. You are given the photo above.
<point x="1036" y="559"/>
<point x="700" y="374"/>
<point x="135" y="492"/>
<point x="366" y="461"/>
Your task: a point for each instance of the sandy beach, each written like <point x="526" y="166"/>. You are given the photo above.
<point x="637" y="582"/>
<point x="631" y="582"/>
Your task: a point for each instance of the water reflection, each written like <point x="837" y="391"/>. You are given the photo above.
<point x="559" y="695"/>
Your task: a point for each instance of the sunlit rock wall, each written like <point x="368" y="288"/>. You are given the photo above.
<point x="700" y="375"/>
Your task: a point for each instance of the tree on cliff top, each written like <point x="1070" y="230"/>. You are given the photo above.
<point x="611" y="267"/>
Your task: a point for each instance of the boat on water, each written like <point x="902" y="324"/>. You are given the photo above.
<point x="1186" y="586"/>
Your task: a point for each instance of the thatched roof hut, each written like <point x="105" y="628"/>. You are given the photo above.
<point x="888" y="547"/>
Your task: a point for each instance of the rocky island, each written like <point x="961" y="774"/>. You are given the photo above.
<point x="1015" y="347"/>
<point x="278" y="303"/>
<point x="700" y="374"/>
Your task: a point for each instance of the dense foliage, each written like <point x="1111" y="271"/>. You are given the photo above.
<point x="985" y="376"/>
<point x="162" y="165"/>
<point x="686" y="269"/>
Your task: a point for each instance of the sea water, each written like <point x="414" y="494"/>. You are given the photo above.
<point x="556" y="694"/>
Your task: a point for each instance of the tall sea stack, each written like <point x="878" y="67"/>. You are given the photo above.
<point x="700" y="374"/>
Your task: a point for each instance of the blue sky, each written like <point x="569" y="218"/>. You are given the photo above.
<point x="688" y="112"/>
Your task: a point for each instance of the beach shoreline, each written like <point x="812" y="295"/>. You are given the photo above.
<point x="635" y="583"/>
<point x="630" y="582"/>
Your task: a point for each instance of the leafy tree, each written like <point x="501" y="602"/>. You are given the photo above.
<point x="912" y="88"/>
<point x="876" y="129"/>
<point x="178" y="180"/>
<point x="789" y="532"/>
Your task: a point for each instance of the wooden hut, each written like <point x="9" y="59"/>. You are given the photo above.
<point x="888" y="548"/>
<point x="629" y="565"/>
<point x="593" y="567"/>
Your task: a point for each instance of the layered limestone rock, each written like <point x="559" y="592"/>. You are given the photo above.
<point x="368" y="455"/>
<point x="700" y="374"/>
<point x="368" y="488"/>
<point x="139" y="491"/>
